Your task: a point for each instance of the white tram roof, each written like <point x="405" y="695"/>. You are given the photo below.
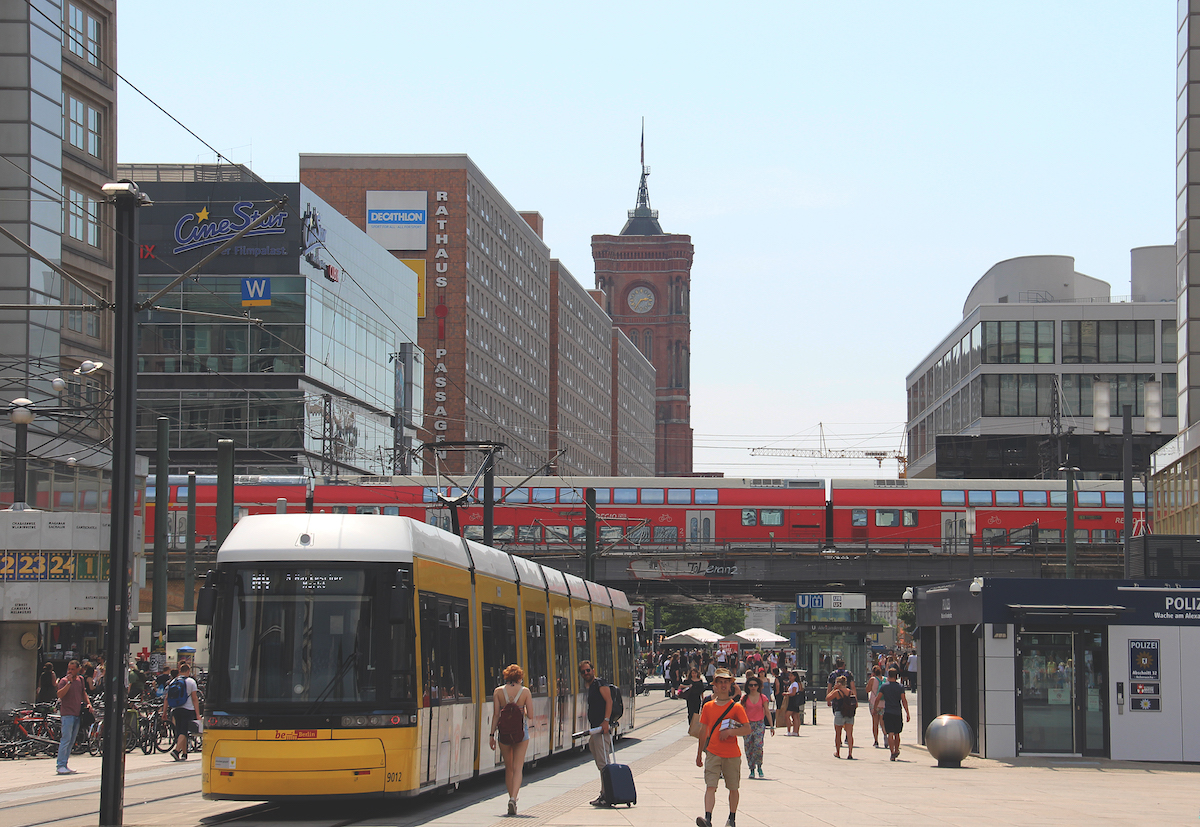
<point x="491" y="562"/>
<point x="530" y="572"/>
<point x="556" y="581"/>
<point x="598" y="593"/>
<point x="577" y="586"/>
<point x="620" y="602"/>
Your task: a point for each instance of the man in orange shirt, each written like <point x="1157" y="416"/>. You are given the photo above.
<point x="724" y="756"/>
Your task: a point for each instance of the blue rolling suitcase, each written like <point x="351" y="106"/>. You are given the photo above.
<point x="616" y="781"/>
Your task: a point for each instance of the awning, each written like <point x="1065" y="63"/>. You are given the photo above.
<point x="1063" y="610"/>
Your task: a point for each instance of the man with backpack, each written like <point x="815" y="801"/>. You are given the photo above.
<point x="600" y="714"/>
<point x="181" y="706"/>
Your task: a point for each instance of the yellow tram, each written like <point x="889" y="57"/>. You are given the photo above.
<point x="355" y="655"/>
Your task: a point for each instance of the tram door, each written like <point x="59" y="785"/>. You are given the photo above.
<point x="1062" y="692"/>
<point x="700" y="526"/>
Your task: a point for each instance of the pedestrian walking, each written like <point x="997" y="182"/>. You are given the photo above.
<point x="599" y="712"/>
<point x="692" y="690"/>
<point x="718" y="752"/>
<point x="72" y="700"/>
<point x="874" y="684"/>
<point x="181" y="707"/>
<point x="47" y="689"/>
<point x="755" y="703"/>
<point x="844" y="707"/>
<point x="512" y="709"/>
<point x="892" y="701"/>
<point x="795" y="708"/>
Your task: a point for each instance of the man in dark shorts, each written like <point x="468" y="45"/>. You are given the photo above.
<point x="892" y="699"/>
<point x="181" y="707"/>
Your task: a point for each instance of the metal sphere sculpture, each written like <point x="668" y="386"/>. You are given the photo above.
<point x="949" y="739"/>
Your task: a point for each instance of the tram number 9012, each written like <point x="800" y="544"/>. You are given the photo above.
<point x="393" y="778"/>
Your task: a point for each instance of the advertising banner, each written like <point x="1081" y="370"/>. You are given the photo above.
<point x="398" y="220"/>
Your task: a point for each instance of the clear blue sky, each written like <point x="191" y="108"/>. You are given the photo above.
<point x="846" y="170"/>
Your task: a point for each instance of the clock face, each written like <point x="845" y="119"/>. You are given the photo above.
<point x="641" y="300"/>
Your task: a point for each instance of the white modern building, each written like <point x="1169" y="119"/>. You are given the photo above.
<point x="1035" y="337"/>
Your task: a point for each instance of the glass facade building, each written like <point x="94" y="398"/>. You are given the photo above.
<point x="306" y="359"/>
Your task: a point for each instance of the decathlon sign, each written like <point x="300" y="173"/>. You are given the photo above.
<point x="398" y="220"/>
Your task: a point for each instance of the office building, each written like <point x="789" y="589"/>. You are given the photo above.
<point x="308" y="365"/>
<point x="1008" y="392"/>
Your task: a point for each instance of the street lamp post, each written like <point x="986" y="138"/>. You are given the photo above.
<point x="21" y="414"/>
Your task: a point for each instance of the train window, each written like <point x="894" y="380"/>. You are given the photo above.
<point x="771" y="516"/>
<point x="517" y="495"/>
<point x="858" y="518"/>
<point x="181" y="494"/>
<point x="529" y="534"/>
<point x="557" y="533"/>
<point x="625" y="496"/>
<point x="1139" y="499"/>
<point x="579" y="533"/>
<point x="995" y="535"/>
<point x="706" y="496"/>
<point x="611" y="533"/>
<point x="979" y="498"/>
<point x="545" y="495"/>
<point x="639" y="534"/>
<point x="366" y="509"/>
<point x="570" y="495"/>
<point x="391" y="510"/>
<point x="887" y="517"/>
<point x="1049" y="535"/>
<point x="666" y="534"/>
<point x="1034" y="497"/>
<point x="502" y="534"/>
<point x="653" y="496"/>
<point x="954" y="497"/>
<point x="1058" y="498"/>
<point x="603" y="496"/>
<point x="445" y="648"/>
<point x="679" y="496"/>
<point x="1081" y="535"/>
<point x="429" y="495"/>
<point x="182" y="634"/>
<point x="1008" y="498"/>
<point x="341" y="509"/>
<point x="473" y="532"/>
<point x="563" y="668"/>
<point x="1114" y="499"/>
<point x="749" y="516"/>
<point x="535" y="648"/>
<point x="604" y="652"/>
<point x="1104" y="535"/>
<point x="583" y="641"/>
<point x="499" y="628"/>
<point x="1090" y="498"/>
<point x="908" y="517"/>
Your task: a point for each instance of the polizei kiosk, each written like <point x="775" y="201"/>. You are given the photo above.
<point x="1068" y="667"/>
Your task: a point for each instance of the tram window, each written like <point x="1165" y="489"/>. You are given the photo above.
<point x="624" y="658"/>
<point x="706" y="496"/>
<point x="1090" y="498"/>
<point x="563" y="668"/>
<point x="529" y="534"/>
<point x="679" y="496"/>
<point x="583" y="641"/>
<point x="908" y="517"/>
<point x="402" y="686"/>
<point x="1008" y="498"/>
<point x="535" y="648"/>
<point x="1113" y="499"/>
<point x="639" y="534"/>
<point x="517" y="495"/>
<point x="887" y="517"/>
<point x="366" y="509"/>
<point x="954" y="497"/>
<point x="545" y="495"/>
<point x="979" y="498"/>
<point x="499" y="628"/>
<point x="771" y="516"/>
<point x="1035" y="497"/>
<point x="611" y="533"/>
<point x="603" y="496"/>
<point x="653" y="496"/>
<point x="749" y="516"/>
<point x="604" y="652"/>
<point x="557" y="533"/>
<point x="570" y="495"/>
<point x="445" y="648"/>
<point x="135" y="634"/>
<point x="666" y="534"/>
<point x="1058" y="498"/>
<point x="858" y="517"/>
<point x="391" y="510"/>
<point x="1049" y="535"/>
<point x="625" y="496"/>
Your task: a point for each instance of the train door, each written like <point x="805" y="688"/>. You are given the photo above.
<point x="954" y="532"/>
<point x="439" y="517"/>
<point x="700" y="526"/>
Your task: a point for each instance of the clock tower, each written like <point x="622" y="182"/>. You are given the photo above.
<point x="645" y="275"/>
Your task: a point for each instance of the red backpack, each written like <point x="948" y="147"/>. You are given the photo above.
<point x="511" y="726"/>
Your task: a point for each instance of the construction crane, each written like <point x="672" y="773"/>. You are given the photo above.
<point x="825" y="452"/>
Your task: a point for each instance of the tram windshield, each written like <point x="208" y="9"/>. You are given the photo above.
<point x="300" y="636"/>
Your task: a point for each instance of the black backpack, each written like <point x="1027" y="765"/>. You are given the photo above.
<point x="618" y="705"/>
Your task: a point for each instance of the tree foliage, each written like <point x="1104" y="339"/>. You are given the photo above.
<point x="906" y="612"/>
<point x="724" y="620"/>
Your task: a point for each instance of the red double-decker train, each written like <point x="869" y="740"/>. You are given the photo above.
<point x="546" y="514"/>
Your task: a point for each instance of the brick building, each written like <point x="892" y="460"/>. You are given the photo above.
<point x="645" y="275"/>
<point x="514" y="351"/>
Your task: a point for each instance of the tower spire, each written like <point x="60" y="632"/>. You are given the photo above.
<point x="642" y="219"/>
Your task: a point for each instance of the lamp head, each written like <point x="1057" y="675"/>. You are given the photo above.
<point x="21" y="412"/>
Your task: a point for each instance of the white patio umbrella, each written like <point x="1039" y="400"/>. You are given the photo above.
<point x="757" y="637"/>
<point x="692" y="637"/>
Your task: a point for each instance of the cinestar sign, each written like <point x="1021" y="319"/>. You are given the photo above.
<point x="200" y="229"/>
<point x="398" y="220"/>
